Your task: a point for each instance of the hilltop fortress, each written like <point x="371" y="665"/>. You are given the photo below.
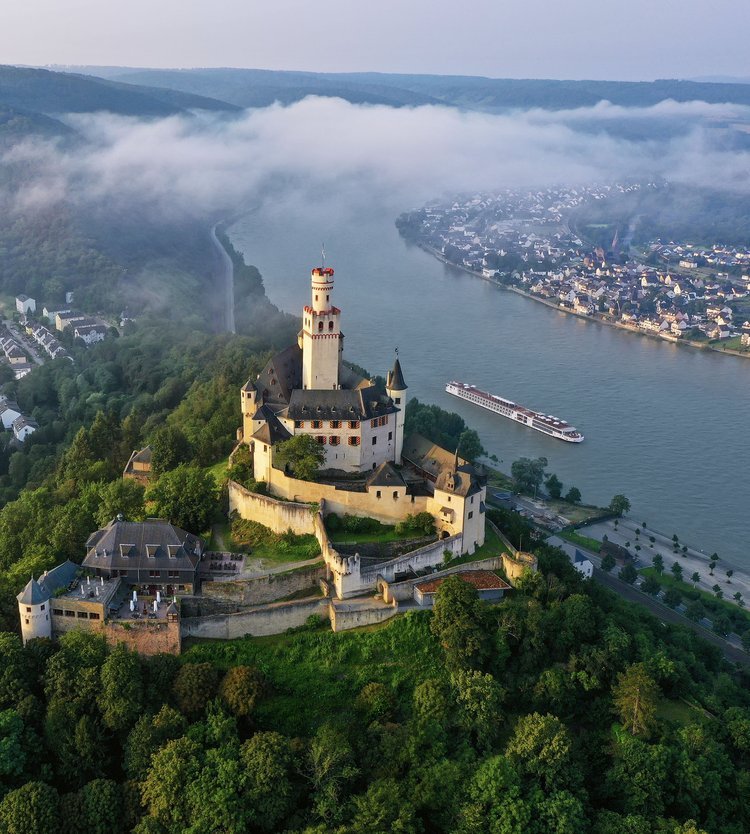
<point x="370" y="469"/>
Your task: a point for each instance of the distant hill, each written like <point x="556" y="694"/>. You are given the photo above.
<point x="50" y="93"/>
<point x="259" y="88"/>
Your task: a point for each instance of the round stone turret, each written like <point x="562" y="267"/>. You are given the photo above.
<point x="33" y="609"/>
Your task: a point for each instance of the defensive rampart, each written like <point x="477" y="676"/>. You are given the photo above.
<point x="270" y="619"/>
<point x="279" y="516"/>
<point x="258" y="590"/>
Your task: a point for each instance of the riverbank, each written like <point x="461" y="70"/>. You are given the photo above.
<point x="226" y="277"/>
<point x="596" y="318"/>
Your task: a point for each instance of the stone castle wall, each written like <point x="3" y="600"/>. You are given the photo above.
<point x="400" y="591"/>
<point x="344" y="617"/>
<point x="278" y="516"/>
<point x="146" y="637"/>
<point x="262" y="589"/>
<point x="260" y="622"/>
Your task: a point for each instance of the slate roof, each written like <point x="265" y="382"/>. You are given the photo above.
<point x="386" y="475"/>
<point x="462" y="482"/>
<point x="33" y="593"/>
<point x="272" y="431"/>
<point x="428" y="456"/>
<point x="281" y="376"/>
<point x="396" y="378"/>
<point x="59" y="577"/>
<point x="143" y="545"/>
<point x="339" y="404"/>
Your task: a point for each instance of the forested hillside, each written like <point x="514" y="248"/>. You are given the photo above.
<point x="559" y="710"/>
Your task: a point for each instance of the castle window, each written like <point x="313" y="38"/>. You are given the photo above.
<point x="395" y="495"/>
<point x="82" y="615"/>
<point x="27" y="620"/>
<point x="390" y="435"/>
<point x="70" y="613"/>
<point x="58" y="612"/>
<point x="328" y="298"/>
<point x="321" y="438"/>
<point x="333" y="440"/>
<point x="28" y="609"/>
<point x="354" y="441"/>
<point x="335" y="424"/>
<point x="374" y="440"/>
<point x="377" y="494"/>
<point x="93" y="616"/>
<point x="397" y="401"/>
<point x="330" y="325"/>
<point x="353" y="424"/>
<point x="42" y="607"/>
<point x="317" y="424"/>
<point x="154" y="574"/>
<point x="316" y="297"/>
<point x="299" y="424"/>
<point x="174" y="574"/>
<point x="471" y="514"/>
<point x="320" y="325"/>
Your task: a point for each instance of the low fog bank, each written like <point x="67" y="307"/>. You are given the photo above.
<point x="204" y="166"/>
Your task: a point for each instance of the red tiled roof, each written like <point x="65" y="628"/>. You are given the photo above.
<point x="482" y="580"/>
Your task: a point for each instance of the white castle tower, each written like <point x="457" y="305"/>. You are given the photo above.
<point x="321" y="339"/>
<point x="395" y="387"/>
<point x="33" y="609"/>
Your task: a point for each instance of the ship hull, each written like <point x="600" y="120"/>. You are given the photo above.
<point x="543" y="423"/>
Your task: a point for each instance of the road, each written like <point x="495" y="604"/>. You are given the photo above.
<point x="667" y="615"/>
<point x="226" y="277"/>
<point x="23" y="342"/>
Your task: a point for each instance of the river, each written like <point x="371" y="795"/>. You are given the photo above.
<point x="664" y="425"/>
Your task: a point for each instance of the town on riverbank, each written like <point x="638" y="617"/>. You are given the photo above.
<point x="535" y="243"/>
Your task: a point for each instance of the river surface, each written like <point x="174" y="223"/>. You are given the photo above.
<point x="664" y="425"/>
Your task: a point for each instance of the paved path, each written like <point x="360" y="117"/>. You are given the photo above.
<point x="226" y="277"/>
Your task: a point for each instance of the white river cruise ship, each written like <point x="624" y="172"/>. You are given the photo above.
<point x="545" y="423"/>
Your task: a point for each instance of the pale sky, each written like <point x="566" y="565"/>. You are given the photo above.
<point x="608" y="39"/>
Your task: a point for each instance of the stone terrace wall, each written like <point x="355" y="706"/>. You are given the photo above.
<point x="423" y="557"/>
<point x="143" y="636"/>
<point x="261" y="589"/>
<point x="279" y="516"/>
<point x="401" y="591"/>
<point x="344" y="617"/>
<point x="270" y="619"/>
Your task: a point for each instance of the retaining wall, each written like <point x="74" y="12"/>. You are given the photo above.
<point x="400" y="591"/>
<point x="344" y="617"/>
<point x="258" y="590"/>
<point x="279" y="516"/>
<point x="271" y="619"/>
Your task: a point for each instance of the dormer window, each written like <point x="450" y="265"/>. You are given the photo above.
<point x="173" y="550"/>
<point x="151" y="550"/>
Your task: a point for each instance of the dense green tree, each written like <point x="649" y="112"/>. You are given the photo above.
<point x="469" y="445"/>
<point x="302" y="456"/>
<point x="573" y="495"/>
<point x="121" y="696"/>
<point x="101" y="807"/>
<point x="173" y="767"/>
<point x="541" y="748"/>
<point x="677" y="571"/>
<point x="457" y="622"/>
<point x="15" y="670"/>
<point x="628" y="573"/>
<point x="194" y="686"/>
<point x="149" y="734"/>
<point x="608" y="562"/>
<point x="33" y="807"/>
<point x="650" y="586"/>
<point x="620" y="505"/>
<point x="672" y="597"/>
<point x="635" y="695"/>
<point x="330" y="768"/>
<point x="169" y="449"/>
<point x="528" y="474"/>
<point x="554" y="486"/>
<point x="480" y="699"/>
<point x="269" y="789"/>
<point x="385" y="806"/>
<point x="658" y="563"/>
<point x="186" y="496"/>
<point x="121" y="497"/>
<point x="12" y="747"/>
<point x="241" y="688"/>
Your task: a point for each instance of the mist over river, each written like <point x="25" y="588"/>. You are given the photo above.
<point x="666" y="426"/>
